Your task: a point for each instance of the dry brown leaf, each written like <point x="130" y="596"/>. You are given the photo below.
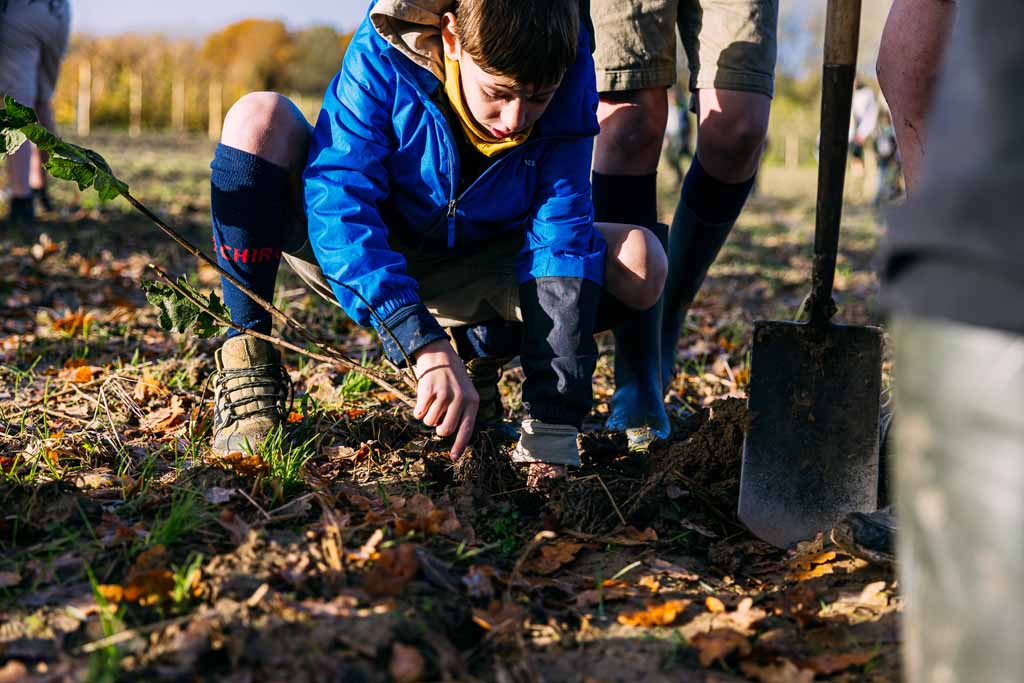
<point x="147" y="387"/>
<point x="782" y="672"/>
<point x="150" y="588"/>
<point x="553" y="557"/>
<point x="165" y="419"/>
<point x="499" y="617"/>
<point x="714" y="605"/>
<point x="671" y="570"/>
<point x="719" y="644"/>
<point x="829" y="663"/>
<point x="72" y="323"/>
<point x="663" y="614"/>
<point x="245" y="465"/>
<point x="407" y="664"/>
<point x="392" y="572"/>
<point x="610" y="590"/>
<point x="743" y="616"/>
<point x="9" y="579"/>
<point x="295" y="417"/>
<point x="649" y="582"/>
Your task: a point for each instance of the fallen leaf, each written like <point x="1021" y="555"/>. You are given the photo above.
<point x="245" y="465"/>
<point x="165" y="419"/>
<point x="368" y="551"/>
<point x="649" y="582"/>
<point x="295" y="417"/>
<point x="714" y="605"/>
<point x="742" y="617"/>
<point x="147" y="387"/>
<point x="662" y="614"/>
<point x="112" y="593"/>
<point x="150" y="588"/>
<point x="392" y="571"/>
<point x="78" y="375"/>
<point x="407" y="664"/>
<point x="9" y="579"/>
<point x="829" y="663"/>
<point x="718" y="645"/>
<point x="671" y="570"/>
<point x="610" y="591"/>
<point x="72" y="323"/>
<point x="783" y="672"/>
<point x="499" y="617"/>
<point x="553" y="557"/>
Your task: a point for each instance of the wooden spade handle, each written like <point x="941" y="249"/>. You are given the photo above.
<point x="842" y="33"/>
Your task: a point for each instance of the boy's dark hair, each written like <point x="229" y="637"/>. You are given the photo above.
<point x="530" y="41"/>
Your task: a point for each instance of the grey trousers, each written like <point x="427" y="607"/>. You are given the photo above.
<point x="960" y="497"/>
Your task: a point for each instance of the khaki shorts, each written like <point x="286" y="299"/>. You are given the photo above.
<point x="461" y="288"/>
<point x="33" y="40"/>
<point x="730" y="44"/>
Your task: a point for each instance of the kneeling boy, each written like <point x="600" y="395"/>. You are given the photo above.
<point x="447" y="185"/>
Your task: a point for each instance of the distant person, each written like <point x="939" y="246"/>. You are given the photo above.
<point x="446" y="185"/>
<point x="678" y="132"/>
<point x="863" y="120"/>
<point x="33" y="40"/>
<point x="887" y="157"/>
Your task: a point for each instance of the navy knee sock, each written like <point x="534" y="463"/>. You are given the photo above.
<point x="629" y="199"/>
<point x="249" y="204"/>
<point x="707" y="210"/>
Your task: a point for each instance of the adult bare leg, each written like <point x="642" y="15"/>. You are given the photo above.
<point x="909" y="60"/>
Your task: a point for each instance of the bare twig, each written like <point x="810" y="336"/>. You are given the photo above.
<point x="335" y="359"/>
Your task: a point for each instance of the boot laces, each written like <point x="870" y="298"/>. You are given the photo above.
<point x="269" y="383"/>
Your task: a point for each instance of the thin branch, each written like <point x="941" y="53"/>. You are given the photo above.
<point x="377" y="378"/>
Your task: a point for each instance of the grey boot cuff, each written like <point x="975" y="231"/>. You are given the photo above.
<point x="553" y="444"/>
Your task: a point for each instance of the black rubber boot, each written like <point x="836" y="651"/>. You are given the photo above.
<point x="693" y="246"/>
<point x="638" y="405"/>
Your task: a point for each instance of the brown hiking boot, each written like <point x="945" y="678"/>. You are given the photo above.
<point x="251" y="394"/>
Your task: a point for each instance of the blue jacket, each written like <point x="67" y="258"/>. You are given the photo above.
<point x="383" y="158"/>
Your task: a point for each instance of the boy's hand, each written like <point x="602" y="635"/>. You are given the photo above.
<point x="445" y="398"/>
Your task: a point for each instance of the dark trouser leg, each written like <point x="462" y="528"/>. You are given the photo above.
<point x="960" y="478"/>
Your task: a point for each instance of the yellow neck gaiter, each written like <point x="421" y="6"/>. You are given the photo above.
<point x="485" y="143"/>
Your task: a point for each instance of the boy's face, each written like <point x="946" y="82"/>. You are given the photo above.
<point x="496" y="103"/>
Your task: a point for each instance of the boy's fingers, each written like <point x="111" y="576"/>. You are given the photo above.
<point x="465" y="432"/>
<point x="424" y="397"/>
<point x="452" y="417"/>
<point x="437" y="409"/>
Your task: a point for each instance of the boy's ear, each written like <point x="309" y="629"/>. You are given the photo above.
<point x="450" y="36"/>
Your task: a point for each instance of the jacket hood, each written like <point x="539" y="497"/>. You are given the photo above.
<point x="413" y="27"/>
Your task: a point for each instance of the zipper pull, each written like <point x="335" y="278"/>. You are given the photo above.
<point x="451" y="208"/>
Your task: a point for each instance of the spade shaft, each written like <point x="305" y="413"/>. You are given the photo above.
<point x="811" y="452"/>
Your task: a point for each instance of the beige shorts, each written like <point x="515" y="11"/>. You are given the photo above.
<point x="458" y="289"/>
<point x="33" y="40"/>
<point x="730" y="44"/>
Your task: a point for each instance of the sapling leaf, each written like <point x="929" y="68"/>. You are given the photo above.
<point x="67" y="161"/>
<point x="182" y="313"/>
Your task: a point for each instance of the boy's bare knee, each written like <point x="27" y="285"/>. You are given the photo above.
<point x="268" y="125"/>
<point x="637" y="265"/>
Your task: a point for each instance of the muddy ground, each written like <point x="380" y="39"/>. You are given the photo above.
<point x="353" y="550"/>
